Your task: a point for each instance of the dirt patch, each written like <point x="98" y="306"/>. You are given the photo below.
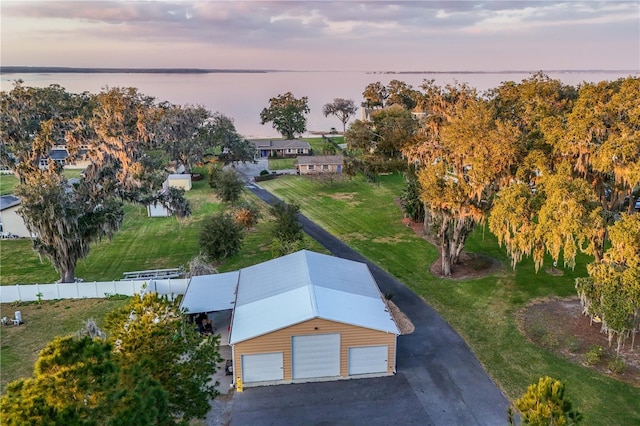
<point x="471" y="265"/>
<point x="343" y="196"/>
<point x="559" y="326"/>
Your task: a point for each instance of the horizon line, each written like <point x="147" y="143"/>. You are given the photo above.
<point x="13" y="69"/>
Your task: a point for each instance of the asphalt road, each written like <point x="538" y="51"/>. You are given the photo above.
<point x="438" y="382"/>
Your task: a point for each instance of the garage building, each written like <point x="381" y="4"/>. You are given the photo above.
<point x="309" y="317"/>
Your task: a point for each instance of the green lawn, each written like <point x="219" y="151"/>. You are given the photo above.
<point x="19" y="346"/>
<point x="7" y="182"/>
<point x="365" y="216"/>
<point x="141" y="243"/>
<point x="282" y="163"/>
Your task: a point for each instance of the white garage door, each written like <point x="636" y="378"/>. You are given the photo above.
<point x="262" y="367"/>
<point x="316" y="356"/>
<point x="368" y="359"/>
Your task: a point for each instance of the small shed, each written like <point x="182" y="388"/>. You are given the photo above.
<point x="178" y="181"/>
<point x="320" y="164"/>
<point x="158" y="209"/>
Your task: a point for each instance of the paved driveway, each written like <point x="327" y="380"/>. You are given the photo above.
<point x="439" y="380"/>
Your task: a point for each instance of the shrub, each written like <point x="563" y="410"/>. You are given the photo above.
<point x="594" y="354"/>
<point x="229" y="186"/>
<point x="247" y="214"/>
<point x="573" y="344"/>
<point x="550" y="341"/>
<point x="545" y="403"/>
<point x="617" y="366"/>
<point x="220" y="236"/>
<point x="264" y="172"/>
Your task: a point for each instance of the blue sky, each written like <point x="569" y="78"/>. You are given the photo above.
<point x="323" y="35"/>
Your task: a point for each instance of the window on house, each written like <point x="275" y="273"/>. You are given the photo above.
<point x="300" y="151"/>
<point x="310" y="166"/>
<point x="325" y="167"/>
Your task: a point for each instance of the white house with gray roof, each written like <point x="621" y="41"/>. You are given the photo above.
<point x="281" y="147"/>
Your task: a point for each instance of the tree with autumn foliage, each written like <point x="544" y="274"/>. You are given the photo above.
<point x="463" y="154"/>
<point x="611" y="292"/>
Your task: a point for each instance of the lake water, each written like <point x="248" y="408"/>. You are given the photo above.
<point x="242" y="96"/>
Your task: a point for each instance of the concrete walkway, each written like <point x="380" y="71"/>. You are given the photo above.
<point x="445" y="382"/>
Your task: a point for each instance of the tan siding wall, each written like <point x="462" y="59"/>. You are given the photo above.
<point x="280" y="341"/>
<point x="317" y="168"/>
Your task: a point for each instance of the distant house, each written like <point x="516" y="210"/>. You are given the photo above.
<point x="178" y="181"/>
<point x="320" y="164"/>
<point x="11" y="223"/>
<point x="281" y="148"/>
<point x="61" y="156"/>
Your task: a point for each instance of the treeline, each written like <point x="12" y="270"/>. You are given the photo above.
<point x="553" y="169"/>
<point x="127" y="138"/>
<point x="81" y="70"/>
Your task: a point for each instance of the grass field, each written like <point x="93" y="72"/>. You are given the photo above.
<point x="42" y="322"/>
<point x="7" y="182"/>
<point x="481" y="310"/>
<point x="282" y="163"/>
<point x="141" y="243"/>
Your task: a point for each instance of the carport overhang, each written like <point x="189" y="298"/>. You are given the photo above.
<point x="211" y="293"/>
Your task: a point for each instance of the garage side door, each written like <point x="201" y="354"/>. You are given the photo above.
<point x="316" y="356"/>
<point x="368" y="359"/>
<point x="262" y="367"/>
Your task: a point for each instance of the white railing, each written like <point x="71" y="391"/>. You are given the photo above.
<point x="86" y="290"/>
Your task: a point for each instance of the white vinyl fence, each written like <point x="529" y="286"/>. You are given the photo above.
<point x="85" y="290"/>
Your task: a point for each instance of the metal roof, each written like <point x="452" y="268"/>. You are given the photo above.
<point x="209" y="293"/>
<point x="320" y="159"/>
<point x="306" y="285"/>
<point x="7" y="201"/>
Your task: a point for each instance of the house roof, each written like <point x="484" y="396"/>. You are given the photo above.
<point x="8" y="201"/>
<point x="58" y="154"/>
<point x="280" y="144"/>
<point x="209" y="293"/>
<point x="306" y="285"/>
<point x="320" y="159"/>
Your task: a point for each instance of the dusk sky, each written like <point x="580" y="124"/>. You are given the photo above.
<point x="324" y="35"/>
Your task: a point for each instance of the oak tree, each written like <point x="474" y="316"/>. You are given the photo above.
<point x="463" y="154"/>
<point x="287" y="115"/>
<point x="375" y="95"/>
<point x="343" y="109"/>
